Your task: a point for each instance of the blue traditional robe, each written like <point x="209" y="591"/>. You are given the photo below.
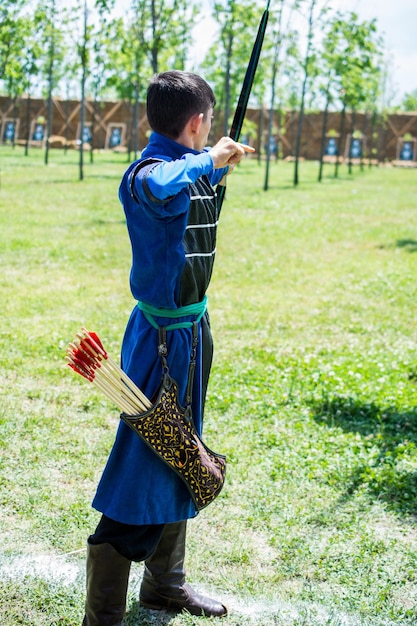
<point x="171" y="216"/>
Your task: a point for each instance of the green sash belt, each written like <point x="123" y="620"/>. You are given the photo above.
<point x="198" y="309"/>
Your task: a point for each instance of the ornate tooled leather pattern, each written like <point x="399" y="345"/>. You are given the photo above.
<point x="174" y="439"/>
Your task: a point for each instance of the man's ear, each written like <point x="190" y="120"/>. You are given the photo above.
<point x="195" y="122"/>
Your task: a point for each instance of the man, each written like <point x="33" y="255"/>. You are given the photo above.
<point x="170" y="206"/>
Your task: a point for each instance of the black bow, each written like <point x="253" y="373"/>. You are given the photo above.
<point x="242" y="104"/>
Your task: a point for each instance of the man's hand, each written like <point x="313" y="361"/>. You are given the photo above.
<point x="228" y="152"/>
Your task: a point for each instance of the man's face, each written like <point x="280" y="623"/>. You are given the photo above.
<point x="204" y="131"/>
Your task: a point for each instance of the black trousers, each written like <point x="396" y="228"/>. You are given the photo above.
<point x="135" y="543"/>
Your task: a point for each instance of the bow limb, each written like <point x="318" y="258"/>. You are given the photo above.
<point x="242" y="104"/>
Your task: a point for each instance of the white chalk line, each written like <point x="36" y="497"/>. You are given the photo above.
<point x="59" y="570"/>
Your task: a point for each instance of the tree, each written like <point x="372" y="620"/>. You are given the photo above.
<point x="98" y="39"/>
<point x="30" y="70"/>
<point x="84" y="52"/>
<point x="227" y="59"/>
<point x="91" y="62"/>
<point x="285" y="60"/>
<point x="409" y="102"/>
<point x="129" y="67"/>
<point x="155" y="38"/>
<point x="354" y="50"/>
<point x="329" y="86"/>
<point x="12" y="34"/>
<point x="20" y="51"/>
<point x="306" y="68"/>
<point x="278" y="36"/>
<point x="51" y="19"/>
<point x="166" y="32"/>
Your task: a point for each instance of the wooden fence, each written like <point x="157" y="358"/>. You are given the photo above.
<point x="108" y="125"/>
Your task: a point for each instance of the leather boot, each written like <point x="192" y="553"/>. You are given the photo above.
<point x="163" y="585"/>
<point x="107" y="581"/>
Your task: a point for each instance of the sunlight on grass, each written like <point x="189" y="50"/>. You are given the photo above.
<point x="312" y="397"/>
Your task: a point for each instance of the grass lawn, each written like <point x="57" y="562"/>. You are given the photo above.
<point x="312" y="397"/>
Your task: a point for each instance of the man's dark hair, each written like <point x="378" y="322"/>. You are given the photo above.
<point x="173" y="98"/>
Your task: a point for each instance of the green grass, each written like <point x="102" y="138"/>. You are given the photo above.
<point x="312" y="397"/>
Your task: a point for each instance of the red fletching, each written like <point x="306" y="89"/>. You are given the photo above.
<point x="89" y="346"/>
<point x="81" y="372"/>
<point x="96" y="338"/>
<point x="81" y="368"/>
<point x="85" y="357"/>
<point x="86" y="353"/>
<point x="94" y="341"/>
<point x="82" y="363"/>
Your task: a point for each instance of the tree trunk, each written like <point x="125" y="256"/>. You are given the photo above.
<point x="380" y="135"/>
<point x="93" y="127"/>
<point x="303" y="93"/>
<point x="27" y="125"/>
<point x="352" y="130"/>
<point x="49" y="105"/>
<point x="260" y="133"/>
<point x="67" y="127"/>
<point x="371" y="139"/>
<point x="227" y="87"/>
<point x="299" y="131"/>
<point x="136" y="122"/>
<point x="154" y="49"/>
<point x="83" y="81"/>
<point x="50" y="85"/>
<point x="364" y="131"/>
<point x="323" y="134"/>
<point x="271" y="116"/>
<point x="339" y="143"/>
